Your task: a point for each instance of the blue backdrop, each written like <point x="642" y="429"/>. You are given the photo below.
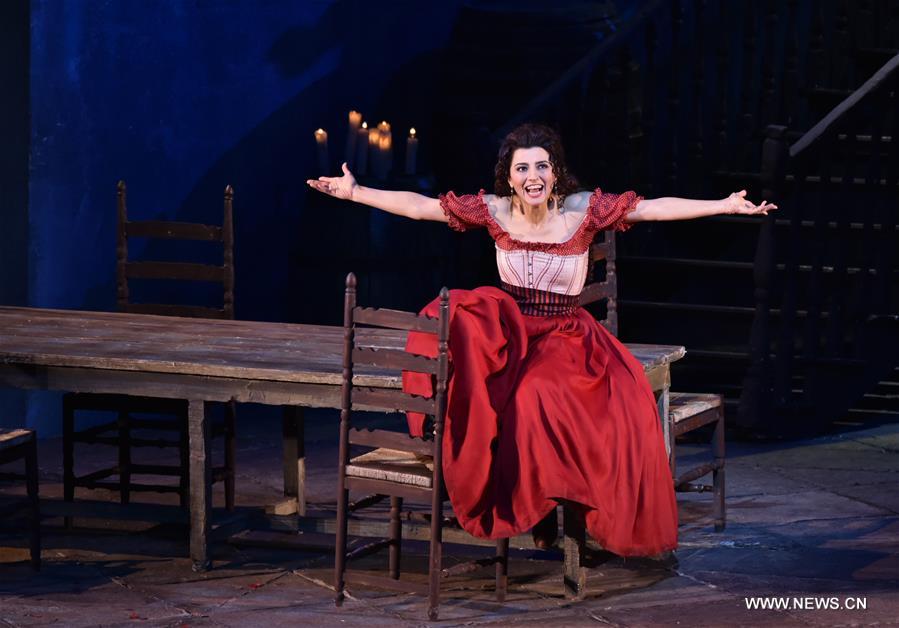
<point x="180" y="99"/>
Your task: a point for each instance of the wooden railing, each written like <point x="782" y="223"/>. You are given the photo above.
<point x="677" y="102"/>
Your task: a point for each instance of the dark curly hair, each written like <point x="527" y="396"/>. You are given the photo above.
<point x="531" y="135"/>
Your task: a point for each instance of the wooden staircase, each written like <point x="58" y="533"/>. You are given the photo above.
<point x="676" y="102"/>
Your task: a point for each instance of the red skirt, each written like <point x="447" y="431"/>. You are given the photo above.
<point x="541" y="408"/>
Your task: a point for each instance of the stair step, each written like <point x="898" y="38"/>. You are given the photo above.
<point x="689" y="307"/>
<point x="680" y="261"/>
<point x="827" y="93"/>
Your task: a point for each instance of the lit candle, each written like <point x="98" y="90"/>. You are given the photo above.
<point x="411" y="151"/>
<point x="321" y="144"/>
<point x="362" y="149"/>
<point x="355" y="119"/>
<point x="385" y="152"/>
<point x="374" y="150"/>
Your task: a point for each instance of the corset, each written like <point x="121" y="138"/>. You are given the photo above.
<point x="549" y="272"/>
<point x="533" y="302"/>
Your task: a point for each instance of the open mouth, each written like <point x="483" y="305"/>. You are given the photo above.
<point x="533" y="191"/>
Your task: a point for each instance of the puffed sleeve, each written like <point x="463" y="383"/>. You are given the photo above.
<point x="464" y="212"/>
<point x="608" y="211"/>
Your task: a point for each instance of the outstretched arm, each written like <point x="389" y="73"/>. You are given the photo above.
<point x="408" y="204"/>
<point x="672" y="208"/>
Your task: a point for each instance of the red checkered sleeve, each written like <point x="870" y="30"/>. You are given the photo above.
<point x="608" y="211"/>
<point x="464" y="212"/>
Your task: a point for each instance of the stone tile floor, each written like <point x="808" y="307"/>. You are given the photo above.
<point x="816" y="520"/>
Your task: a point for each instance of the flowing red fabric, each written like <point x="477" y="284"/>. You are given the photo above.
<point x="542" y="408"/>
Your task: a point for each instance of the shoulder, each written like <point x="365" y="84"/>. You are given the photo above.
<point x="578" y="202"/>
<point x="496" y="205"/>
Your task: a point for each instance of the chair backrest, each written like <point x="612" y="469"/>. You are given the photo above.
<point x="361" y="349"/>
<point x="168" y="271"/>
<point x="602" y="286"/>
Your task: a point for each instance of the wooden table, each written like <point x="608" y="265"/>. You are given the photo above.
<point x="202" y="360"/>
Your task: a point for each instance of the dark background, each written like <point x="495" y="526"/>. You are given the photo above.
<point x="182" y="98"/>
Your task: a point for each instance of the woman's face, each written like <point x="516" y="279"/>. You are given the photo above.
<point x="531" y="175"/>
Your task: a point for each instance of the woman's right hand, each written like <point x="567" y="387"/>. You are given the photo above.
<point x="338" y="187"/>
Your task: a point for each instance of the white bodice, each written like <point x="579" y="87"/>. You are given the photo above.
<point x="562" y="274"/>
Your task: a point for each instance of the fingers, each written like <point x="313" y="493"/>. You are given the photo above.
<point x="322" y="185"/>
<point x="741" y="193"/>
<point x="345" y="169"/>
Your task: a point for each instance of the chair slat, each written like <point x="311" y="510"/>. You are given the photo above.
<point x="385" y="400"/>
<point x="599" y="252"/>
<point x="394" y="359"/>
<point x="390" y="440"/>
<point x="394" y="319"/>
<point x="174" y="270"/>
<point x="595" y="292"/>
<point x="168" y="230"/>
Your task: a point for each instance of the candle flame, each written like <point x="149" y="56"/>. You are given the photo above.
<point x="412" y="132"/>
<point x="365" y="125"/>
<point x="319" y="131"/>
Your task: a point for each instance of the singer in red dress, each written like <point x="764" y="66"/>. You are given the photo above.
<point x="544" y="404"/>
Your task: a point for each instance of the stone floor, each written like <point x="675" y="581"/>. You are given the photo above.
<point x="815" y="521"/>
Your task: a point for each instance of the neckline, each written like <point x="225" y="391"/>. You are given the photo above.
<point x="531" y="243"/>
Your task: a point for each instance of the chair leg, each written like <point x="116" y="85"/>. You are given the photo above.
<point x="124" y="424"/>
<point x="68" y="454"/>
<point x="575" y="538"/>
<point x="184" y="455"/>
<point x="718" y="476"/>
<point x="436" y="556"/>
<point x="396" y="537"/>
<point x="230" y="449"/>
<point x="502" y="569"/>
<point x="31" y="473"/>
<point x="343" y="496"/>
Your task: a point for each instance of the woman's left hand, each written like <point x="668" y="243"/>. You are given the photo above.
<point x="736" y="203"/>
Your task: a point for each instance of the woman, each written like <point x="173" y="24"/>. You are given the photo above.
<point x="544" y="404"/>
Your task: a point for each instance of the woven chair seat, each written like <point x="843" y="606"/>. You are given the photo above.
<point x="682" y="406"/>
<point x="13" y="437"/>
<point x="392" y="465"/>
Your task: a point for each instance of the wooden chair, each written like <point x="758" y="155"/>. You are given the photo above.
<point x="398" y="465"/>
<point x="686" y="411"/>
<point x="165" y="418"/>
<point x="21" y="444"/>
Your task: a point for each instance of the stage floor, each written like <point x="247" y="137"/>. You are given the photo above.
<point x="814" y="520"/>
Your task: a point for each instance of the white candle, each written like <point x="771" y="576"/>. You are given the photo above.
<point x="385" y="150"/>
<point x="355" y="119"/>
<point x="374" y="150"/>
<point x="321" y="149"/>
<point x="362" y="149"/>
<point x="411" y="151"/>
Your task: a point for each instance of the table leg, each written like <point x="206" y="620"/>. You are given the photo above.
<point x="200" y="484"/>
<point x="293" y="429"/>
<point x="662" y="396"/>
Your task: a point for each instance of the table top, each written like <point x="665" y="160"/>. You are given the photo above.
<point x="249" y="350"/>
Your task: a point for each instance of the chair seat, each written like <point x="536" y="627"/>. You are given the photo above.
<point x="13" y="437"/>
<point x="392" y="465"/>
<point x="682" y="406"/>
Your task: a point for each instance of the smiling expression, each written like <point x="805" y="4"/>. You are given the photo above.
<point x="531" y="175"/>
